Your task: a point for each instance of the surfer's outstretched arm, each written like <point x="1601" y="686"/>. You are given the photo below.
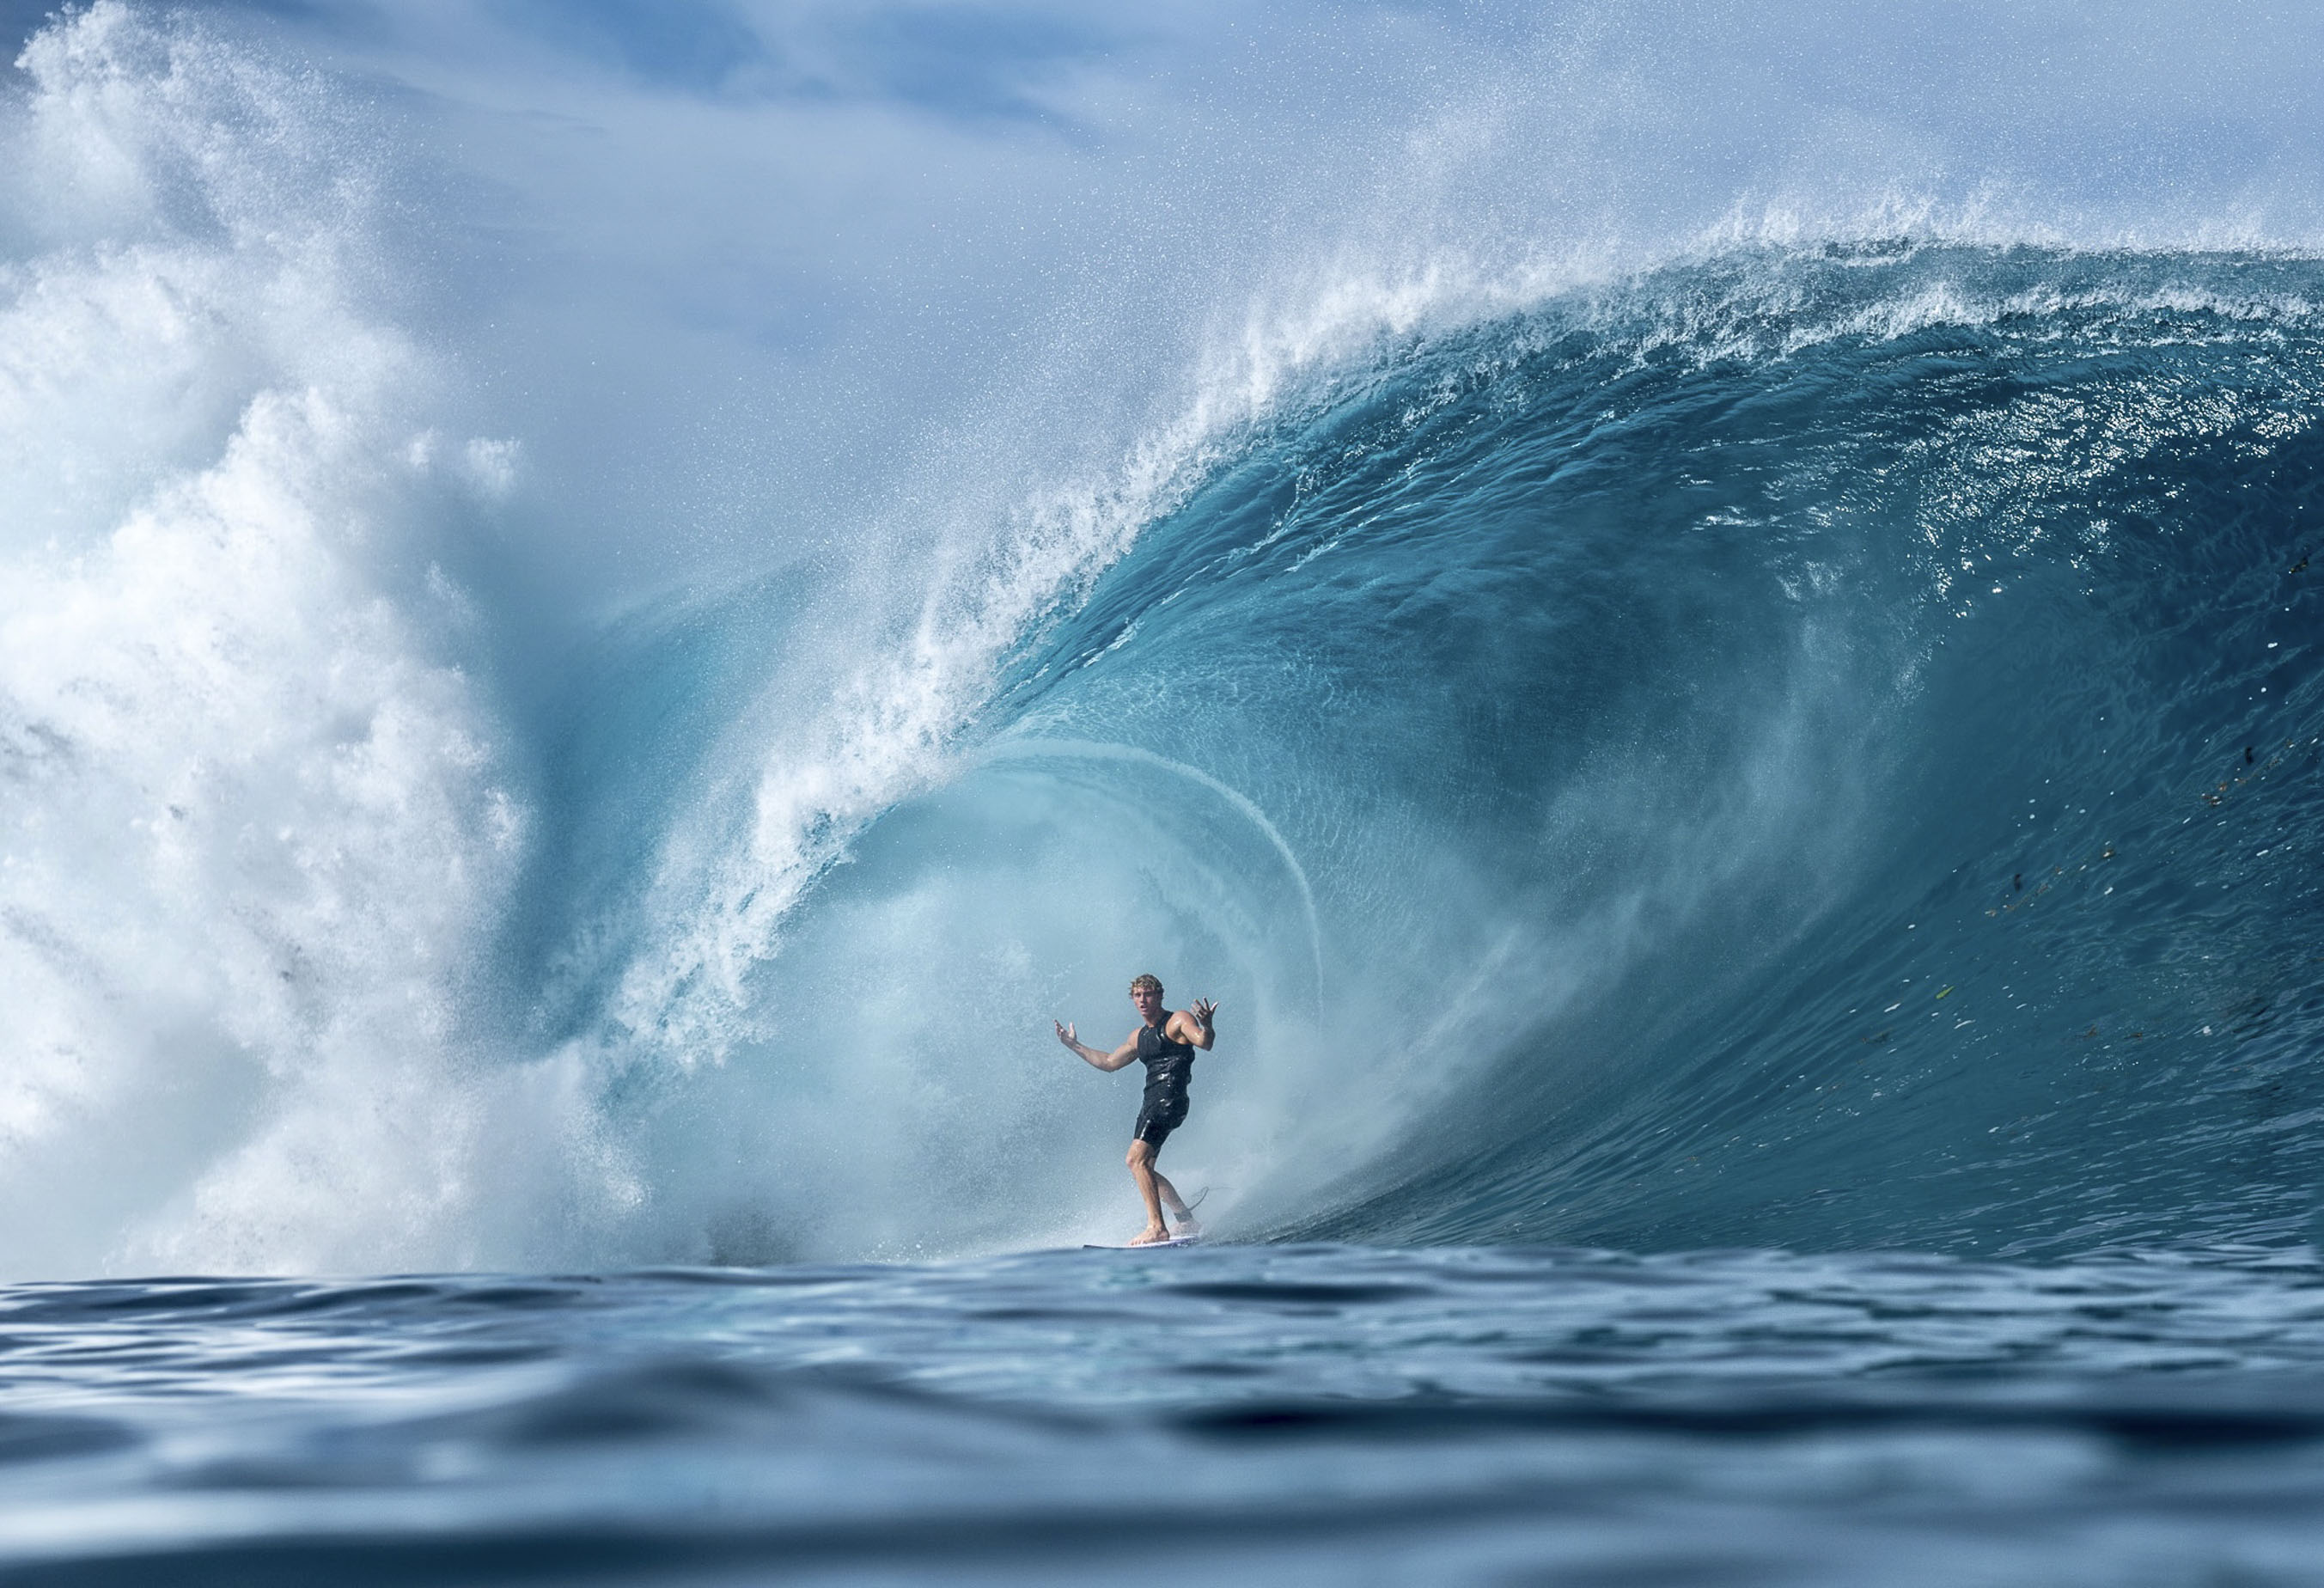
<point x="1101" y="1059"/>
<point x="1193" y="1023"/>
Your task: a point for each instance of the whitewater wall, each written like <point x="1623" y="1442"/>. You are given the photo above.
<point x="1729" y="737"/>
<point x="256" y="809"/>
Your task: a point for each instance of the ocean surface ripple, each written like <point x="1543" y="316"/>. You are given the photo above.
<point x="1306" y="1413"/>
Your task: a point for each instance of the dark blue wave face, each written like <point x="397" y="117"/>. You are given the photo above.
<point x="1814" y="750"/>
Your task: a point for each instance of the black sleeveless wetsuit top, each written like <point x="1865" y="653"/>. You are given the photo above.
<point x="1169" y="1064"/>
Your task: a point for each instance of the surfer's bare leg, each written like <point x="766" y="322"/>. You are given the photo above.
<point x="1149" y="1188"/>
<point x="1176" y="1203"/>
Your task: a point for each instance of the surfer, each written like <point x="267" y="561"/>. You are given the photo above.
<point x="1165" y="1041"/>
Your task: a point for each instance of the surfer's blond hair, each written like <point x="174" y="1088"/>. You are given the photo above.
<point x="1144" y="981"/>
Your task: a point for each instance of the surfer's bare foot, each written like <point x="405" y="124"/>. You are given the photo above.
<point x="1149" y="1235"/>
<point x="1187" y="1226"/>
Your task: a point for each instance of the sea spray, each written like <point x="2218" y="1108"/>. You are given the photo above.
<point x="259" y="821"/>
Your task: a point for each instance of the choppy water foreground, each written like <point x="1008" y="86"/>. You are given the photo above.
<point x="1301" y="1414"/>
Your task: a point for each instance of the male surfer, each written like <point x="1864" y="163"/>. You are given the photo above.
<point x="1165" y="1041"/>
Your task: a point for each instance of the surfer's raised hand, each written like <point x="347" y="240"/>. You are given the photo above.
<point x="1198" y="1014"/>
<point x="1065" y="1035"/>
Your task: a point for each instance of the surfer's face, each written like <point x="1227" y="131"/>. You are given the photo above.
<point x="1150" y="1002"/>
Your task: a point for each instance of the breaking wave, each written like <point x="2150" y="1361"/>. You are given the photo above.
<point x="1808" y="743"/>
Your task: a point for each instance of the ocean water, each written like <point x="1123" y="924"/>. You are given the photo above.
<point x="1748" y="794"/>
<point x="1297" y="1413"/>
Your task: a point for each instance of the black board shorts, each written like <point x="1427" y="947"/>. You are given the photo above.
<point x="1164" y="1112"/>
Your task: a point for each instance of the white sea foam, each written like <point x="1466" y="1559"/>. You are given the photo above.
<point x="255" y="823"/>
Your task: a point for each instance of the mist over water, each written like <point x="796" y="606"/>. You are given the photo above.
<point x="603" y="616"/>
